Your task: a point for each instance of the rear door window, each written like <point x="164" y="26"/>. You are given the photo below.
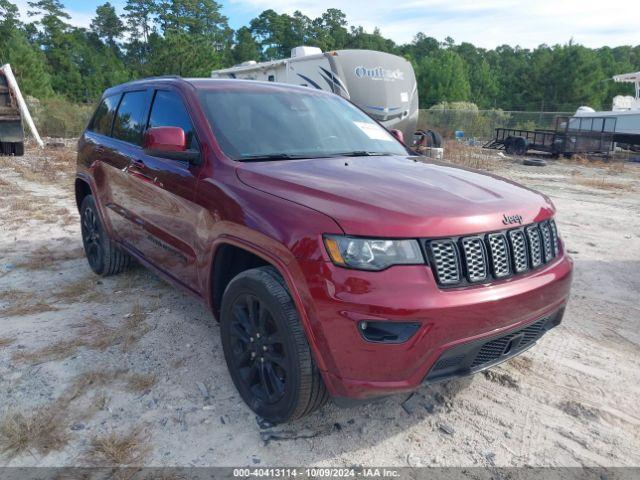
<point x="103" y="118"/>
<point x="130" y="117"/>
<point x="169" y="110"/>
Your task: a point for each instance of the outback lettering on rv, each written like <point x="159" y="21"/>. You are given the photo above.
<point x="379" y="72"/>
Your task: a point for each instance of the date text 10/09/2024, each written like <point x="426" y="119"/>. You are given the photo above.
<point x="286" y="472"/>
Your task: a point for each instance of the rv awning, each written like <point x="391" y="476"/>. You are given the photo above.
<point x="627" y="77"/>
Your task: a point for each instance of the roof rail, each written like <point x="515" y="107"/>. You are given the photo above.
<point x="158" y="77"/>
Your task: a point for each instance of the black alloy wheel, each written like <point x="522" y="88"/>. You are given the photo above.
<point x="91" y="238"/>
<point x="258" y="349"/>
<point x="104" y="256"/>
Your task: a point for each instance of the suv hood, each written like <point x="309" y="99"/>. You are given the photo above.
<point x="398" y="196"/>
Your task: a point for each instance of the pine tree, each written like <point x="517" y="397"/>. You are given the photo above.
<point x="107" y="25"/>
<point x="28" y="64"/>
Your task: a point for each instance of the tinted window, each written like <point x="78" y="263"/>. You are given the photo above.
<point x="103" y="117"/>
<point x="130" y="117"/>
<point x="169" y="111"/>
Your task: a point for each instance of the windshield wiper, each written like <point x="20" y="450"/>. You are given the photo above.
<point x="260" y="157"/>
<point x="360" y="153"/>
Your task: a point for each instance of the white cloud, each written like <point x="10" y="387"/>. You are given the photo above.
<point x="78" y="19"/>
<point x="489" y="23"/>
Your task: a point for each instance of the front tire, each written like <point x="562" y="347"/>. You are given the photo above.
<point x="104" y="256"/>
<point x="266" y="350"/>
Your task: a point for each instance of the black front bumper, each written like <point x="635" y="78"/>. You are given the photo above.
<point x="472" y="357"/>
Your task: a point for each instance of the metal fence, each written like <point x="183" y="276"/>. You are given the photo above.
<point x="481" y="124"/>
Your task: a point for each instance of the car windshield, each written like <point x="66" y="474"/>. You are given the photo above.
<point x="274" y="124"/>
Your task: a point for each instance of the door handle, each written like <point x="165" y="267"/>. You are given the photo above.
<point x="135" y="169"/>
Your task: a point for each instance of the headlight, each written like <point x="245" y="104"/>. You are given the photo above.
<point x="372" y="254"/>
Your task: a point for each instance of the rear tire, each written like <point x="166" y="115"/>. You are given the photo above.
<point x="266" y="350"/>
<point x="104" y="256"/>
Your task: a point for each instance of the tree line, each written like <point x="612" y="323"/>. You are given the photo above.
<point x="52" y="58"/>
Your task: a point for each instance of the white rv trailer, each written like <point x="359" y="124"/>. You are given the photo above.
<point x="623" y="121"/>
<point x="381" y="84"/>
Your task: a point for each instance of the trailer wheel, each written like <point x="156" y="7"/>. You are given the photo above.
<point x="428" y="138"/>
<point x="508" y="146"/>
<point x="520" y="146"/>
<point x="436" y="138"/>
<point x="18" y="149"/>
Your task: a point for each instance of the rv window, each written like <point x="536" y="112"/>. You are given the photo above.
<point x="271" y="78"/>
<point x="585" y="124"/>
<point x="103" y="118"/>
<point x="610" y="125"/>
<point x="574" y="123"/>
<point x="598" y="124"/>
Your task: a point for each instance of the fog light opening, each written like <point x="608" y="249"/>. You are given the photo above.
<point x="387" y="332"/>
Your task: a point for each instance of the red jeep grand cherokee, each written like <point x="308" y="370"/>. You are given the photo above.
<point x="337" y="262"/>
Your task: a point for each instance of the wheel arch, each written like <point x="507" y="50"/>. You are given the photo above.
<point x="229" y="260"/>
<point x="254" y="256"/>
<point x="82" y="189"/>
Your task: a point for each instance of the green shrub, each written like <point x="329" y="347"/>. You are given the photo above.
<point x="59" y="117"/>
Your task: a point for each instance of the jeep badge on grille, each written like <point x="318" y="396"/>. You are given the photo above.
<point x="511" y="219"/>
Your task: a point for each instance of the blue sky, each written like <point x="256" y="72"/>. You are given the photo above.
<point x="486" y="23"/>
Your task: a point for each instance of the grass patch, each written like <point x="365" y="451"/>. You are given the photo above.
<point x="83" y="289"/>
<point x="22" y="303"/>
<point x="95" y="335"/>
<point x="51" y="166"/>
<point x="88" y="381"/>
<point x="120" y="449"/>
<point x="135" y="327"/>
<point x="6" y="341"/>
<point x="603" y="183"/>
<point x="44" y="258"/>
<point x="57" y="351"/>
<point x="44" y="429"/>
<point x="139" y="382"/>
<point x="8" y="188"/>
<point x="41" y="431"/>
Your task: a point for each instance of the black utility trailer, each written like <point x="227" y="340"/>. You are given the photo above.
<point x="11" y="131"/>
<point x="572" y="135"/>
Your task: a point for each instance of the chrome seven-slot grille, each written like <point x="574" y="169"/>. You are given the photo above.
<point x="493" y="256"/>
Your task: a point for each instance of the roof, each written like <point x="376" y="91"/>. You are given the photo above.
<point x="204" y="83"/>
<point x="628" y="77"/>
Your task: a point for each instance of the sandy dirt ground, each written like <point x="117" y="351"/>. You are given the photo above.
<point x="127" y="370"/>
